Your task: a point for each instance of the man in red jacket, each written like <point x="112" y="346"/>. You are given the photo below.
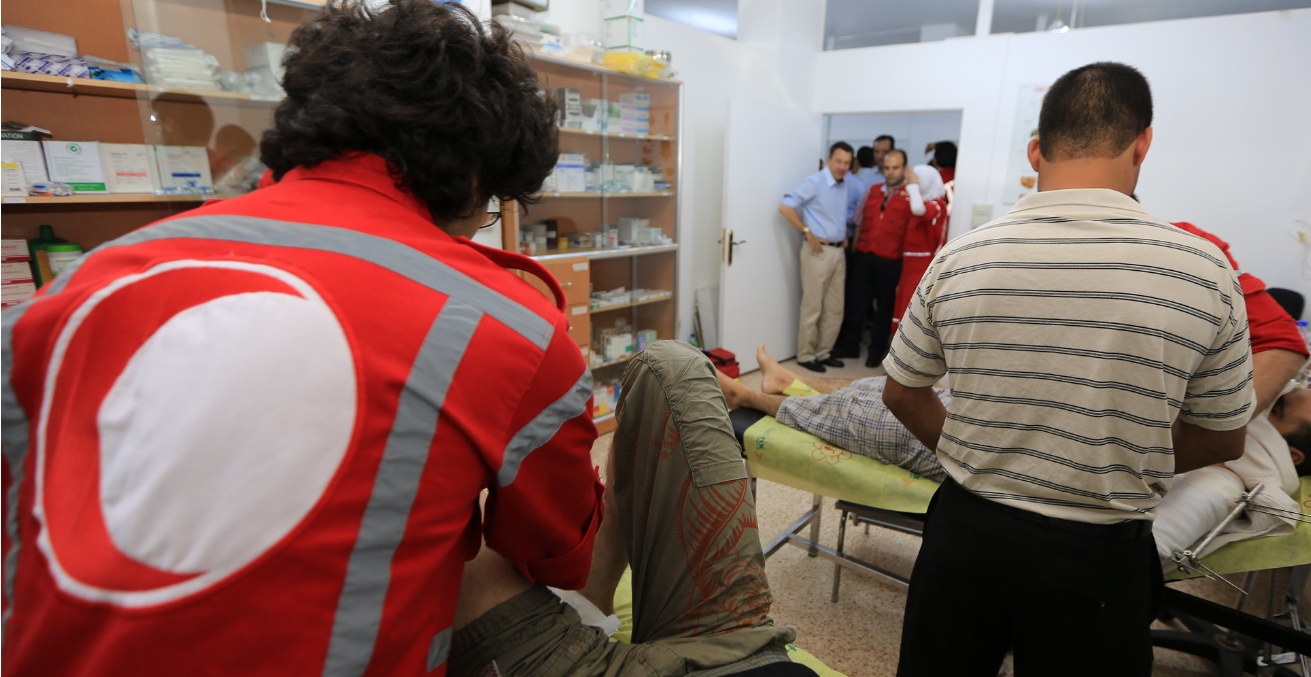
<point x="877" y="261"/>
<point x="251" y="439"/>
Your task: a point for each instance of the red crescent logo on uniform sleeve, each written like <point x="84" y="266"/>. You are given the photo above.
<point x="193" y="415"/>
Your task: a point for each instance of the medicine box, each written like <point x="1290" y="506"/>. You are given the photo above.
<point x="184" y="169"/>
<point x="595" y="112"/>
<point x="14" y="250"/>
<point x="569" y="103"/>
<point x="15" y="271"/>
<point x="13" y="293"/>
<point x="23" y="148"/>
<point x="12" y="183"/>
<point x="570" y="175"/>
<point x="76" y="163"/>
<point x="640" y="100"/>
<point x="129" y="168"/>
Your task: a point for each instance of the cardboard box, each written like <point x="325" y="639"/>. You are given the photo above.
<point x="76" y="163"/>
<point x="14" y="250"/>
<point x="570" y="174"/>
<point x="638" y="99"/>
<point x="16" y="271"/>
<point x="129" y="168"/>
<point x="184" y="169"/>
<point x="13" y="293"/>
<point x="17" y="147"/>
<point x="569" y="104"/>
<point x="12" y="183"/>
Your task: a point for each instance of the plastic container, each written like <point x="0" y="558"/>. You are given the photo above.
<point x="41" y="271"/>
<point x="62" y="255"/>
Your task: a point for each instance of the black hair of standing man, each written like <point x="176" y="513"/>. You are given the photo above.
<point x="1094" y="111"/>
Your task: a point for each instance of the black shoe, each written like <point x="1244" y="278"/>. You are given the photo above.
<point x="875" y="359"/>
<point x="813" y="365"/>
<point x="833" y="362"/>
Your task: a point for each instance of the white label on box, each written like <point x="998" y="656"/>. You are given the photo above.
<point x="129" y="168"/>
<point x="580" y="310"/>
<point x="28" y="153"/>
<point x="17" y="292"/>
<point x="15" y="271"/>
<point x="11" y="176"/>
<point x="14" y="250"/>
<point x="76" y="163"/>
<point x="579" y="267"/>
<point x="184" y="168"/>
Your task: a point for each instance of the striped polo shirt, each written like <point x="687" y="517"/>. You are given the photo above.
<point x="1076" y="329"/>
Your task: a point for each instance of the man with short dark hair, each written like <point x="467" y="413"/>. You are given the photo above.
<point x="944" y="160"/>
<point x="820" y="209"/>
<point x="260" y="445"/>
<point x="1094" y="352"/>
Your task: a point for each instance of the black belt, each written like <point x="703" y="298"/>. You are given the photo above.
<point x="831" y="244"/>
<point x="1129" y="530"/>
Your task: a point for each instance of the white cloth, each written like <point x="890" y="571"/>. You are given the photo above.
<point x="930" y="182"/>
<point x="930" y="187"/>
<point x="1199" y="500"/>
<point x="588" y="612"/>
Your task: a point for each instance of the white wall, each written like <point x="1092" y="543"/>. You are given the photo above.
<point x="1232" y="149"/>
<point x="911" y="131"/>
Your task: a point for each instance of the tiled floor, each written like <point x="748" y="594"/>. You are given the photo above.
<point x="860" y="634"/>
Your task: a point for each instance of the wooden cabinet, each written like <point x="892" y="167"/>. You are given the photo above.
<point x="645" y="268"/>
<point x="226" y="124"/>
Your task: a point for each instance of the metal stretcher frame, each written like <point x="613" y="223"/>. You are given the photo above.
<point x="910" y="523"/>
<point x="1202" y="617"/>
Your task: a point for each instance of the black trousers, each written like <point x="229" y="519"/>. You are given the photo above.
<point x="990" y="579"/>
<point x="870" y="279"/>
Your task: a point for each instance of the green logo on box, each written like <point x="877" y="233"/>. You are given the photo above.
<point x="74" y="148"/>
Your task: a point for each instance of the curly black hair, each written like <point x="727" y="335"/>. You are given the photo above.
<point x="452" y="105"/>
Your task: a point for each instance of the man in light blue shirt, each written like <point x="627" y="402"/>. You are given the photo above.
<point x="869" y="173"/>
<point x="820" y="208"/>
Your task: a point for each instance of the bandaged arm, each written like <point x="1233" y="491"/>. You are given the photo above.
<point x="916" y="200"/>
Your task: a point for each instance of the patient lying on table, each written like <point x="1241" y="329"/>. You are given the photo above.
<point x="851" y="415"/>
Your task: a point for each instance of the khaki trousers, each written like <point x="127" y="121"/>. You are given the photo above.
<point x="823" y="278"/>
<point x="687" y="520"/>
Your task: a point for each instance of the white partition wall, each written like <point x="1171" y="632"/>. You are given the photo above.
<point x="1232" y="150"/>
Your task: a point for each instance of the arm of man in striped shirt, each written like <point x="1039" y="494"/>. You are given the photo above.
<point x="909" y="394"/>
<point x="1220" y="400"/>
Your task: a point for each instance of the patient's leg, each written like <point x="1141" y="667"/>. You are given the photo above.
<point x="739" y="395"/>
<point x="686" y="513"/>
<point x="775" y="378"/>
<point x="608" y="557"/>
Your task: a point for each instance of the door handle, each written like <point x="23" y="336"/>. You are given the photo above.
<point x="730" y="243"/>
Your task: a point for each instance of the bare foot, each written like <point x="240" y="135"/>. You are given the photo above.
<point x="774" y="377"/>
<point x="734" y="392"/>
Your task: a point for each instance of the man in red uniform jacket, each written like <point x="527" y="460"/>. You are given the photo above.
<point x="876" y="263"/>
<point x="251" y="439"/>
